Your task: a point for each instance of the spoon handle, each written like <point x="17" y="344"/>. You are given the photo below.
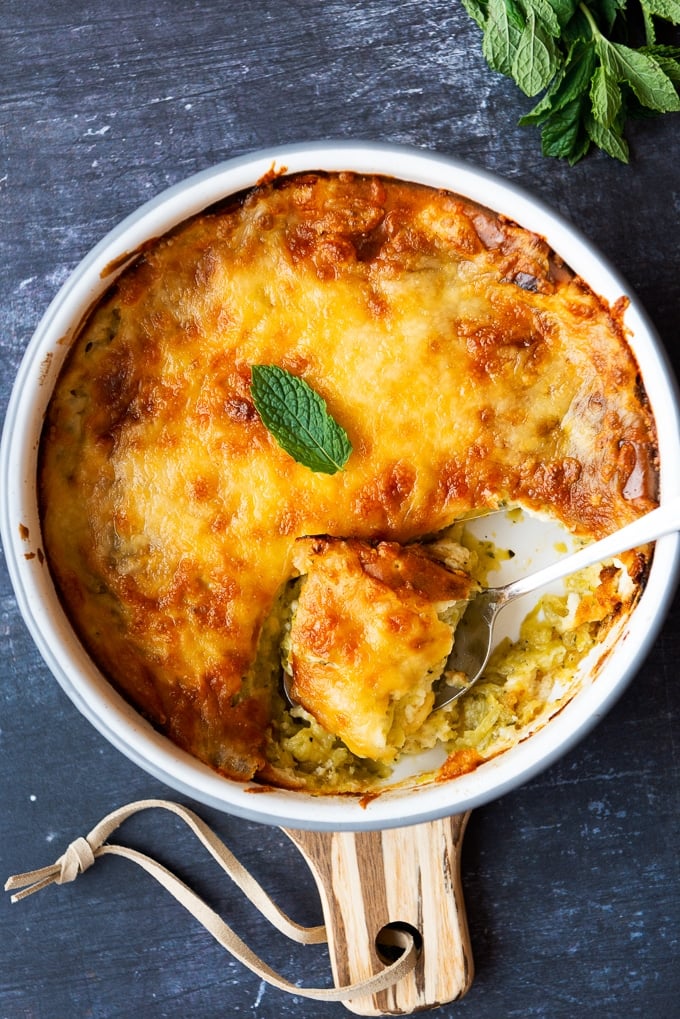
<point x="663" y="520"/>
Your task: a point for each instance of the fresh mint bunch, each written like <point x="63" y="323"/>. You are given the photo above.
<point x="583" y="58"/>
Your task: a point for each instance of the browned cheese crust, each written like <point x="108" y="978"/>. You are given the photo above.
<point x="467" y="364"/>
<point x="366" y="634"/>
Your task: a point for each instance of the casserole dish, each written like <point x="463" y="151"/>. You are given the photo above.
<point x="412" y="801"/>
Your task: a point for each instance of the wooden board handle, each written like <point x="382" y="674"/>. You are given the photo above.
<point x="401" y="876"/>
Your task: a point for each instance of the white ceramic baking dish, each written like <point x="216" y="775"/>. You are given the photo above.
<point x="75" y="671"/>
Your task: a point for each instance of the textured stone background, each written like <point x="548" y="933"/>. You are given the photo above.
<point x="571" y="881"/>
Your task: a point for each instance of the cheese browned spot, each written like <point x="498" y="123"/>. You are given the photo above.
<point x="467" y="363"/>
<point x="369" y="637"/>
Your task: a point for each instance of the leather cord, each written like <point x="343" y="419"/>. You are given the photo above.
<point x="84" y="851"/>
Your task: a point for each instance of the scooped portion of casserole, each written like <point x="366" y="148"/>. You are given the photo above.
<point x="369" y="637"/>
<point x="470" y="369"/>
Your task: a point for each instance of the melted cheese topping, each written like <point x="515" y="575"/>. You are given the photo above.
<point x="368" y="639"/>
<point x="467" y="364"/>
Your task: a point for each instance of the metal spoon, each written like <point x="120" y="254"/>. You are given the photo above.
<point x="474" y="633"/>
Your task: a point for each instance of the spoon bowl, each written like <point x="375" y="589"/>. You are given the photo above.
<point x="474" y="638"/>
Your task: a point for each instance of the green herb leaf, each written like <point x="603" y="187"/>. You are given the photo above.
<point x="477" y="9"/>
<point x="504" y="27"/>
<point x="609" y="139"/>
<point x="605" y="96"/>
<point x="650" y="26"/>
<point x="298" y="419"/>
<point x="668" y="59"/>
<point x="572" y="80"/>
<point x="649" y="83"/>
<point x="534" y="62"/>
<point x="564" y="10"/>
<point x="563" y="135"/>
<point x="669" y="10"/>
<point x="610" y="10"/>
<point x="550" y="103"/>
<point x="544" y="13"/>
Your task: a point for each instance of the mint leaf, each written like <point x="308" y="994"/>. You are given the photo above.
<point x="504" y="27"/>
<point x="544" y="13"/>
<point x="563" y="135"/>
<point x="568" y="84"/>
<point x="477" y="9"/>
<point x="609" y="139"/>
<point x="650" y="26"/>
<point x="564" y="10"/>
<point x="668" y="59"/>
<point x="534" y="63"/>
<point x="669" y="10"/>
<point x="605" y="96"/>
<point x="649" y="83"/>
<point x="551" y="101"/>
<point x="298" y="419"/>
<point x="610" y="10"/>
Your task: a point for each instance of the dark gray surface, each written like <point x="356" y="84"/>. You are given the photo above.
<point x="572" y="881"/>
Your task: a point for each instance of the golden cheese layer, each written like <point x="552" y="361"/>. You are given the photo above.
<point x="369" y="637"/>
<point x="467" y="364"/>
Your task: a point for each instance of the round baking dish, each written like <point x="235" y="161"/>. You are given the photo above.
<point x="73" y="668"/>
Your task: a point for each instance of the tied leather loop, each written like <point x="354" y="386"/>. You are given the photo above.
<point x="83" y="852"/>
<point x="77" y="858"/>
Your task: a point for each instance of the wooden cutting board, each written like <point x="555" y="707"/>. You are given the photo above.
<point x="373" y="881"/>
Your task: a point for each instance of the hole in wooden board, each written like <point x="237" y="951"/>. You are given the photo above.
<point x="391" y="941"/>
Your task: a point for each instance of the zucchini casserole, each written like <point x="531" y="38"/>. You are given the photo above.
<point x="201" y="564"/>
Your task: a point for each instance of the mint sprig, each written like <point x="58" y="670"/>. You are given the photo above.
<point x="298" y="418"/>
<point x="583" y="58"/>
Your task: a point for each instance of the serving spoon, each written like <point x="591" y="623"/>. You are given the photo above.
<point x="475" y="631"/>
